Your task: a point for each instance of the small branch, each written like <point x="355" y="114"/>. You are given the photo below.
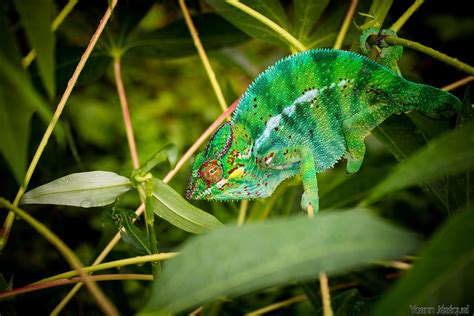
<point x="278" y="305"/>
<point x="244" y="204"/>
<point x="112" y="264"/>
<point x="95" y="278"/>
<point x="4" y="233"/>
<point x="325" y="296"/>
<point x="104" y="303"/>
<point x="199" y="142"/>
<point x="345" y="25"/>
<point x="125" y="112"/>
<point x="203" y="56"/>
<point x="28" y="59"/>
<point x="392" y="40"/>
<point x="405" y="16"/>
<point x="395" y="264"/>
<point x="272" y="25"/>
<point x="458" y="83"/>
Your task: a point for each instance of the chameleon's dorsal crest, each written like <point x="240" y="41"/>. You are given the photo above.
<point x="220" y="141"/>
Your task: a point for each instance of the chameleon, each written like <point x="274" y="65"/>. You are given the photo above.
<point x="300" y="117"/>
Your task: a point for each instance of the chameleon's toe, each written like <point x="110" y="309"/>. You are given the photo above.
<point x="307" y="200"/>
<point x="353" y="165"/>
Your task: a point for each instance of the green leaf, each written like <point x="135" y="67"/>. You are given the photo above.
<point x="168" y="152"/>
<point x="328" y="27"/>
<point x="174" y="40"/>
<point x="172" y="207"/>
<point x="272" y="9"/>
<point x="18" y="102"/>
<point x="85" y="189"/>
<point x="307" y="13"/>
<point x="133" y="236"/>
<point x="443" y="275"/>
<point x="238" y="260"/>
<point x="449" y="154"/>
<point x="36" y="18"/>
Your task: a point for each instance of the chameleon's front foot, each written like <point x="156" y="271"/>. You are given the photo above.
<point x="310" y="200"/>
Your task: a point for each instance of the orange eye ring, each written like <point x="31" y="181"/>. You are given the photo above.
<point x="211" y="171"/>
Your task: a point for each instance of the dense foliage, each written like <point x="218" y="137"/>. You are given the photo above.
<point x="410" y="206"/>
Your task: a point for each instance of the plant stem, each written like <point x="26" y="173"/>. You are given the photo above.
<point x="345" y="25"/>
<point x="325" y="296"/>
<point x="95" y="278"/>
<point x="202" y="54"/>
<point x="242" y="212"/>
<point x="392" y="40"/>
<point x="272" y="25"/>
<point x="5" y="231"/>
<point x="112" y="264"/>
<point x="405" y="16"/>
<point x="28" y="59"/>
<point x="458" y="83"/>
<point x="104" y="303"/>
<point x="125" y="112"/>
<point x="278" y="305"/>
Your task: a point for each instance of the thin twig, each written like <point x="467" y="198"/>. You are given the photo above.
<point x="125" y="112"/>
<point x="104" y="303"/>
<point x="293" y="42"/>
<point x="28" y="59"/>
<point x="278" y="305"/>
<point x="112" y="264"/>
<point x="203" y="56"/>
<point x="5" y="232"/>
<point x="393" y="40"/>
<point x="95" y="278"/>
<point x="458" y="83"/>
<point x="408" y="13"/>
<point x="345" y="25"/>
<point x="325" y="296"/>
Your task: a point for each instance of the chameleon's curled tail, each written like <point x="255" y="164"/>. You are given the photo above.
<point x="427" y="99"/>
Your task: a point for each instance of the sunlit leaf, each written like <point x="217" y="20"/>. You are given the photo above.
<point x="272" y="9"/>
<point x="378" y="12"/>
<point x="443" y="274"/>
<point x="172" y="207"/>
<point x="36" y="18"/>
<point x="307" y="13"/>
<point x="449" y="154"/>
<point x="85" y="189"/>
<point x="238" y="260"/>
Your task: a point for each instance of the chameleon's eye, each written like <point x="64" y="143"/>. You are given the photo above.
<point x="210" y="171"/>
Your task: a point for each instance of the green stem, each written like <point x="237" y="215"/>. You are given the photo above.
<point x="272" y="25"/>
<point x="345" y="25"/>
<point x="5" y="231"/>
<point x="46" y="285"/>
<point x="112" y="264"/>
<point x="104" y="303"/>
<point x="392" y="40"/>
<point x="405" y="16"/>
<point x="28" y="59"/>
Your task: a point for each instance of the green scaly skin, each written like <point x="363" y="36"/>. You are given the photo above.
<point x="301" y="116"/>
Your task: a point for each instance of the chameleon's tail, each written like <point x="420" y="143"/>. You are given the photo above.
<point x="427" y="99"/>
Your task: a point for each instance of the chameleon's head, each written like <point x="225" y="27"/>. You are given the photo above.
<point x="226" y="169"/>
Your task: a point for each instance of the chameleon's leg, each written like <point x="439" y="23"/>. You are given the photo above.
<point x="310" y="184"/>
<point x="357" y="127"/>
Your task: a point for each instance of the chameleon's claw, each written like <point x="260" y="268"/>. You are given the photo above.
<point x="307" y="200"/>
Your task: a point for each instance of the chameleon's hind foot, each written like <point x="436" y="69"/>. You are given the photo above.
<point x="308" y="200"/>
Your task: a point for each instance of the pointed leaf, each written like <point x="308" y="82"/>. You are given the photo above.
<point x="132" y="235"/>
<point x="85" y="189"/>
<point x="272" y="9"/>
<point x="449" y="154"/>
<point x="307" y="13"/>
<point x="443" y="275"/>
<point x="36" y="18"/>
<point x="18" y="102"/>
<point x="172" y="207"/>
<point x="238" y="260"/>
